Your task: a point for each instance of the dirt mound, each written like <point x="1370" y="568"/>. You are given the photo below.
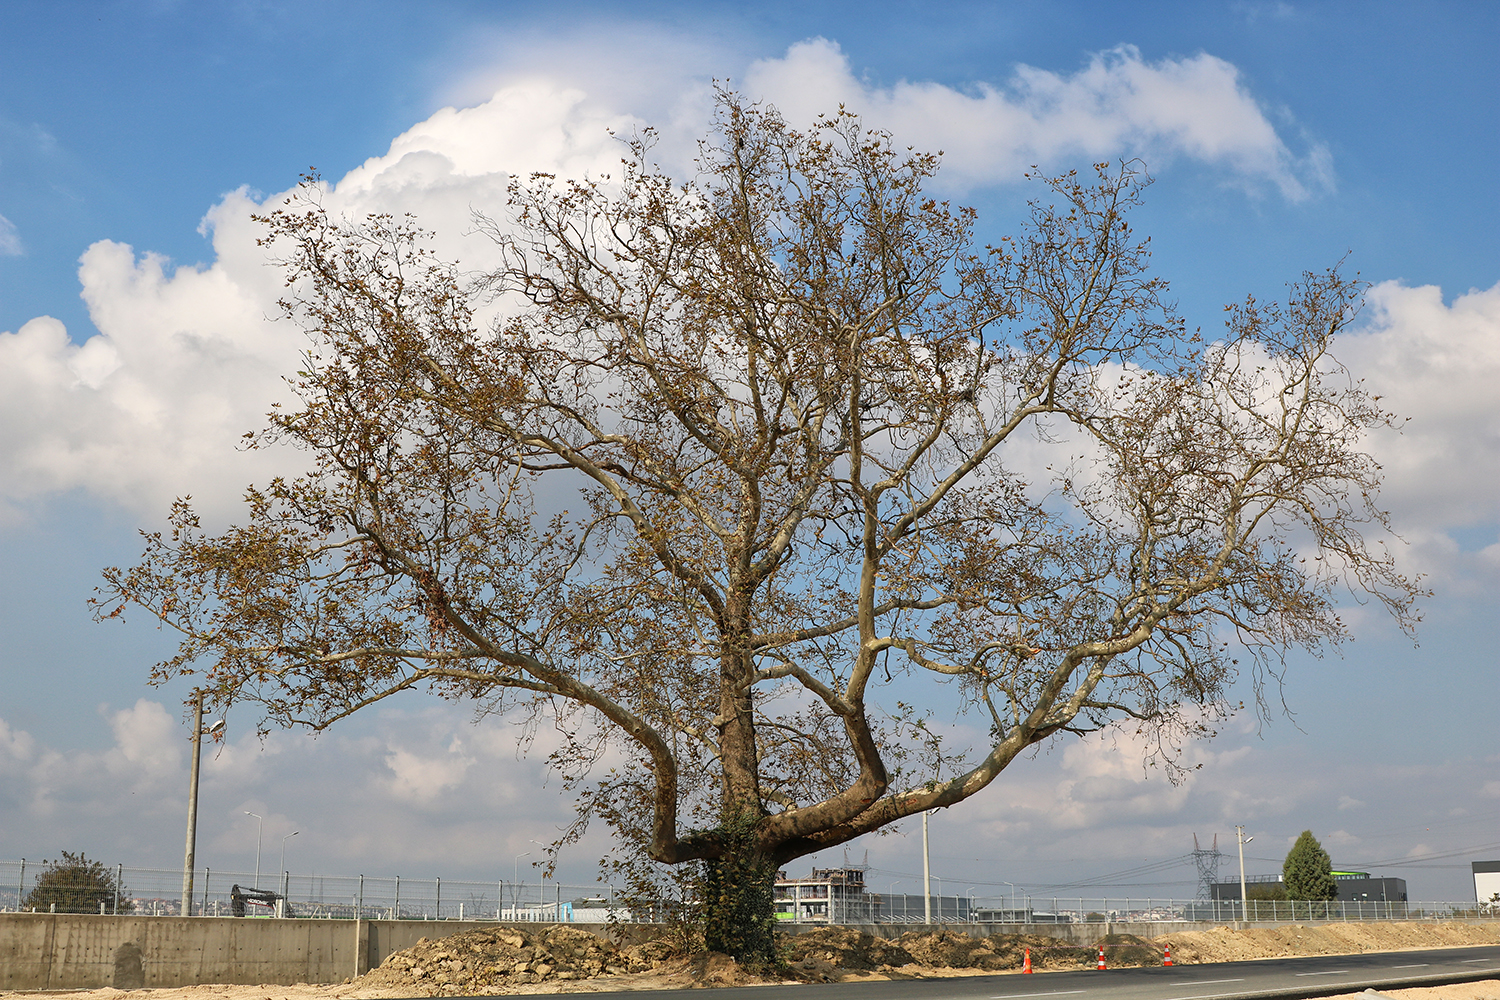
<point x="564" y="959"/>
<point x="500" y="959"/>
<point x="827" y="954"/>
<point x="830" y="948"/>
<point x="1052" y="955"/>
<point x="559" y="959"/>
<point x="1223" y="944"/>
<point x="474" y="961"/>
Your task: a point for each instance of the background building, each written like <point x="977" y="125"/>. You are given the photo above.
<point x="1486" y="879"/>
<point x="1353" y="887"/>
<point x="828" y="896"/>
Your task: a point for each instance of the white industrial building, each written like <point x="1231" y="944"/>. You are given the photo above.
<point x="1486" y="880"/>
<point x="828" y="896"/>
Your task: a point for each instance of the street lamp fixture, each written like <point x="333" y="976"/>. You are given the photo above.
<point x="515" y="882"/>
<point x="260" y="824"/>
<point x="283" y="850"/>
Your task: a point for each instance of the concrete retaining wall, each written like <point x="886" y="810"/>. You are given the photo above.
<point x="46" y="951"/>
<point x="74" y="951"/>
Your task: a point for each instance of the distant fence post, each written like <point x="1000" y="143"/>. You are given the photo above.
<point x="438" y="906"/>
<point x="206" y="873"/>
<point x="359" y="906"/>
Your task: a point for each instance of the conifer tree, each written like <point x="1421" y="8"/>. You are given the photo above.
<point x="1307" y="871"/>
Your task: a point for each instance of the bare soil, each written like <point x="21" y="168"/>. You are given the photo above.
<point x="1487" y="990"/>
<point x="501" y="960"/>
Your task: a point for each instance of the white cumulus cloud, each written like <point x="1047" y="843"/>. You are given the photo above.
<point x="1435" y="365"/>
<point x="1438" y="365"/>
<point x="1118" y="104"/>
<point x="188" y="359"/>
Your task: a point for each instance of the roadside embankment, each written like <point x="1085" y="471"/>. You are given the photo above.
<point x="416" y="958"/>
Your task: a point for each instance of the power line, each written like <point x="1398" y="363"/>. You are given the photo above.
<point x="1109" y="879"/>
<point x="1435" y="856"/>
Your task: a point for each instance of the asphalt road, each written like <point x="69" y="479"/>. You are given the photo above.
<point x="1264" y="979"/>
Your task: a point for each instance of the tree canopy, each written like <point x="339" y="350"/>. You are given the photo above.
<point x="1307" y="871"/>
<point x="739" y="463"/>
<point x="74" y="884"/>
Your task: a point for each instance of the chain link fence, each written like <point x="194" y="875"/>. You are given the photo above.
<point x="913" y="909"/>
<point x="158" y="892"/>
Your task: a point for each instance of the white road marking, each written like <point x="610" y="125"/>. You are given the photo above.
<point x="1474" y="961"/>
<point x="1421" y="966"/>
<point x="1206" y="996"/>
<point x="1059" y="993"/>
<point x="1335" y="972"/>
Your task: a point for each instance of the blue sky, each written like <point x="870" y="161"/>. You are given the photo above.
<point x="135" y="138"/>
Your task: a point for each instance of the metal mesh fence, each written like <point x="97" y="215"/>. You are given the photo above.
<point x="1032" y="910"/>
<point x="158" y="892"/>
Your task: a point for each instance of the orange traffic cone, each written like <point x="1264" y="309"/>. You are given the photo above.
<point x="1101" y="958"/>
<point x="1026" y="969"/>
<point x="1168" y="959"/>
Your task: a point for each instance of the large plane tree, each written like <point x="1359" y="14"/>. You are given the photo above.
<point x="738" y="475"/>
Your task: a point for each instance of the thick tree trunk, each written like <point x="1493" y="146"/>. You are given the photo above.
<point x="739" y="908"/>
<point x="739" y="900"/>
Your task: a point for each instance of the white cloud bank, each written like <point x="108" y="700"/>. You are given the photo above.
<point x="1117" y="105"/>
<point x="418" y="790"/>
<point x="187" y="360"/>
<point x="391" y="792"/>
<point x="1438" y="365"/>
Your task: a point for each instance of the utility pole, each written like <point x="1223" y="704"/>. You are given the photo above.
<point x="1244" y="897"/>
<point x="189" y="858"/>
<point x="926" y="873"/>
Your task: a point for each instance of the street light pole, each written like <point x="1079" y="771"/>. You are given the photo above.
<point x="259" y="826"/>
<point x="189" y="857"/>
<point x="1244" y="897"/>
<point x="926" y="873"/>
<point x="283" y="849"/>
